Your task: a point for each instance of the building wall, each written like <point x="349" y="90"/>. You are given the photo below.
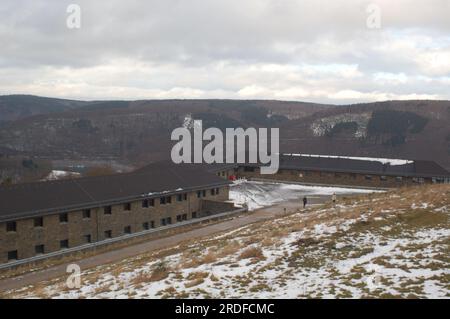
<point x="27" y="236"/>
<point x="331" y="178"/>
<point x="227" y="173"/>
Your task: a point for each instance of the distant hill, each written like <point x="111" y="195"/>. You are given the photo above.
<point x="393" y="129"/>
<point x="14" y="107"/>
<point x="137" y="132"/>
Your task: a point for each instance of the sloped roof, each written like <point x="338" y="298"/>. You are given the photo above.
<point x="30" y="199"/>
<point x="334" y="164"/>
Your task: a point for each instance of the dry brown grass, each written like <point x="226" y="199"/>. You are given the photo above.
<point x="160" y="272"/>
<point x="214" y="278"/>
<point x="197" y="275"/>
<point x="252" y="252"/>
<point x="194" y="282"/>
<point x="102" y="289"/>
<point x="141" y="278"/>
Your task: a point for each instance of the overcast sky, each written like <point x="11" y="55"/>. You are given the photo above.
<point x="319" y="51"/>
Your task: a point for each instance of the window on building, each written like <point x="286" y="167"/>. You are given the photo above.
<point x="163" y="222"/>
<point x="86" y="214"/>
<point x="213" y="192"/>
<point x="217" y="191"/>
<point x="39" y="222"/>
<point x="63" y="218"/>
<point x="87" y="238"/>
<point x="368" y="177"/>
<point x="179" y="218"/>
<point x="11" y="226"/>
<point x="12" y="255"/>
<point x="383" y="178"/>
<point x="199" y="194"/>
<point x="107" y="210"/>
<point x="146" y="226"/>
<point x="127" y="206"/>
<point x="185" y="196"/>
<point x="169" y="220"/>
<point x="194" y="214"/>
<point x="127" y="229"/>
<point x="152" y="224"/>
<point x="184" y="217"/>
<point x="150" y="202"/>
<point x="169" y="199"/>
<point x="437" y="180"/>
<point x="108" y="234"/>
<point x="162" y="200"/>
<point x="39" y="249"/>
<point x="399" y="178"/>
<point x="179" y="197"/>
<point x="64" y="244"/>
<point x="204" y="193"/>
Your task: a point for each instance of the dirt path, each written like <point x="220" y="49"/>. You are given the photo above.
<point x="156" y="244"/>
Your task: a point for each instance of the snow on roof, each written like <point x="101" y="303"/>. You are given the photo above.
<point x="391" y="161"/>
<point x="58" y="174"/>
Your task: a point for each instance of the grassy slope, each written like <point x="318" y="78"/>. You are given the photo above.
<point x="380" y="245"/>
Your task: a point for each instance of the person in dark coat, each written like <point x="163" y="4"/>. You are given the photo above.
<point x="305" y="201"/>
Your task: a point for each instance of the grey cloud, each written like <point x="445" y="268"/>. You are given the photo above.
<point x="216" y="46"/>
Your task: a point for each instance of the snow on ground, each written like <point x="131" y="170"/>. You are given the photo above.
<point x="372" y="246"/>
<point x="261" y="194"/>
<point x="57" y="174"/>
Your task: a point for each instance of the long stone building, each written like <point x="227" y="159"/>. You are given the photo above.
<point x="347" y="171"/>
<point x="44" y="217"/>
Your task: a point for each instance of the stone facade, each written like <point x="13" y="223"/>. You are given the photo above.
<point x="29" y="237"/>
<point x="333" y="178"/>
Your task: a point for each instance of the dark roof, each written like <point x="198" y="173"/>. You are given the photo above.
<point x="30" y="199"/>
<point x="333" y="164"/>
<point x="211" y="168"/>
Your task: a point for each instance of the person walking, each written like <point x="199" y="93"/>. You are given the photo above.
<point x="333" y="198"/>
<point x="305" y="201"/>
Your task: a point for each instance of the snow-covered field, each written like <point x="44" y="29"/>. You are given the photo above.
<point x="392" y="244"/>
<point x="261" y="194"/>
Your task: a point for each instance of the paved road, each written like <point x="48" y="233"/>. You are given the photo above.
<point x="156" y="244"/>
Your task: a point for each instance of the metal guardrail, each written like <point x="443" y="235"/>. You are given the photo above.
<point x="109" y="241"/>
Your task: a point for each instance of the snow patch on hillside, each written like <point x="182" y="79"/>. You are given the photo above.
<point x="323" y="125"/>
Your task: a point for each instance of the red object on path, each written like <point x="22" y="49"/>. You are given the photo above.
<point x="232" y="177"/>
